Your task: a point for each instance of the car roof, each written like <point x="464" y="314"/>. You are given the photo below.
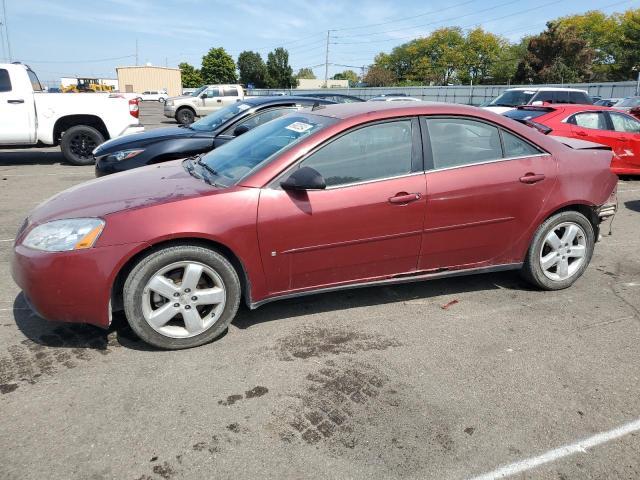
<point x="349" y="110"/>
<point x="546" y="89"/>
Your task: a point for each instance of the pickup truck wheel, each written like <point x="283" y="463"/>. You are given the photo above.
<point x="161" y="100"/>
<point x="78" y="142"/>
<point x="185" y="116"/>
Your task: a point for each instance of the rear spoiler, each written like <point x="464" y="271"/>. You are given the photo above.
<point x="577" y="144"/>
<point x="538" y="126"/>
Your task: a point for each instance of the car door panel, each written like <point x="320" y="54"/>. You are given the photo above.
<point x="325" y="237"/>
<point x="626" y="130"/>
<point x="476" y="212"/>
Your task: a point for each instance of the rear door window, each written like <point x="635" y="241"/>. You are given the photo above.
<point x="230" y="92"/>
<point x="5" y="81"/>
<point x="457" y="142"/>
<point x="592" y="120"/>
<point x="579" y="98"/>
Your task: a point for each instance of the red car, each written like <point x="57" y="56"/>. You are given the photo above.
<point x="335" y="197"/>
<point x="604" y="125"/>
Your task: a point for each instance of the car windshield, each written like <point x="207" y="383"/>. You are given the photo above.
<point x="197" y="92"/>
<point x="512" y="98"/>
<point x="629" y="102"/>
<point x="214" y="120"/>
<point x="236" y="159"/>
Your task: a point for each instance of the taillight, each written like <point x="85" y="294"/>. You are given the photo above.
<point x="134" y="108"/>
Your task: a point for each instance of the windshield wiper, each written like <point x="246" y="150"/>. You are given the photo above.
<point x="211" y="173"/>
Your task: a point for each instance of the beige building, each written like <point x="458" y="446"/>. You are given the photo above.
<point x="315" y="83"/>
<point x="149" y="78"/>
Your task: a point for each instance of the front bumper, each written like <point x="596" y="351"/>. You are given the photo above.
<point x="106" y="165"/>
<point x="169" y="111"/>
<point x="70" y="286"/>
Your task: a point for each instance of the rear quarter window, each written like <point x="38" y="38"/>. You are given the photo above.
<point x="5" y="81"/>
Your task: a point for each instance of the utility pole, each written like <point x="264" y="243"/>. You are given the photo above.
<point x="326" y="61"/>
<point x="136" y="51"/>
<point x="6" y="29"/>
<point x="4" y="48"/>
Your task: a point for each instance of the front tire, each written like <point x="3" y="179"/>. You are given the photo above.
<point x="161" y="100"/>
<point x="185" y="116"/>
<point x="560" y="251"/>
<point x="181" y="297"/>
<point x="78" y="143"/>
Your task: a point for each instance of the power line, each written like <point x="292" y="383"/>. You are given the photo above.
<point x="97" y="60"/>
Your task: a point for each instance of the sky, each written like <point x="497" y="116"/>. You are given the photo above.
<point x="70" y="38"/>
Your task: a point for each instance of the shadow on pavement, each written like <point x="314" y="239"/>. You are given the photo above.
<point x="374" y="296"/>
<point x="32" y="156"/>
<point x="633" y="205"/>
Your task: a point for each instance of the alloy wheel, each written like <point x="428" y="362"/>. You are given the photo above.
<point x="183" y="299"/>
<point x="563" y="251"/>
<point x="82" y="145"/>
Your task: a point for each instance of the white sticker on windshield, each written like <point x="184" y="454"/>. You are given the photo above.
<point x="299" y="127"/>
<point x="242" y="107"/>
<point x="528" y="92"/>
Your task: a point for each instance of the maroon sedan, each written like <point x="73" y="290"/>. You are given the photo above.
<point x="335" y="197"/>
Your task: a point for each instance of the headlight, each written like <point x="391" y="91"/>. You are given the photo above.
<point x="126" y="154"/>
<point x="169" y="103"/>
<point x="65" y="235"/>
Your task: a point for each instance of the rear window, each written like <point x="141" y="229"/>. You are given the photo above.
<point x="230" y="92"/>
<point x="525" y="114"/>
<point x="5" y="81"/>
<point x="579" y="98"/>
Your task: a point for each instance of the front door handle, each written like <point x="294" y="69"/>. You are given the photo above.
<point x="581" y="133"/>
<point x="219" y="101"/>
<point x="532" y="178"/>
<point x="17" y="100"/>
<point x="404" y="198"/>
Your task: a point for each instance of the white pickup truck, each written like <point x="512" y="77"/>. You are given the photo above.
<point x="78" y="122"/>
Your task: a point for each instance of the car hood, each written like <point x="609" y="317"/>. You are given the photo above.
<point x="499" y="110"/>
<point x="148" y="137"/>
<point x="140" y="187"/>
<point x="181" y="97"/>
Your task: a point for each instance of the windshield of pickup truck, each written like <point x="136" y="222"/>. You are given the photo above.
<point x="213" y="121"/>
<point x="198" y="91"/>
<point x="512" y="98"/>
<point x="233" y="161"/>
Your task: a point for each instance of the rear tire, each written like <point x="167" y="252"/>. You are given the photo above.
<point x="560" y="251"/>
<point x="181" y="297"/>
<point x="78" y="143"/>
<point x="161" y="100"/>
<point x="185" y="116"/>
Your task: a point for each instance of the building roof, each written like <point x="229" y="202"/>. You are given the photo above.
<point x="146" y="66"/>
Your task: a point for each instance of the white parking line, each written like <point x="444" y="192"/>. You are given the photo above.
<point x="561" y="452"/>
<point x="7" y="240"/>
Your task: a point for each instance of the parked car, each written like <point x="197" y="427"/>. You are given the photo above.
<point x="515" y="97"/>
<point x="315" y="201"/>
<point x="627" y="103"/>
<point x="202" y="102"/>
<point x="209" y="132"/>
<point x="607" y="102"/>
<point x="603" y="125"/>
<point x="153" y="96"/>
<point x="335" y="97"/>
<point x="394" y="98"/>
<point x="78" y="122"/>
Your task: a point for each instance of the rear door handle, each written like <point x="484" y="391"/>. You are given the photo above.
<point x="404" y="198"/>
<point x="532" y="178"/>
<point x="17" y="100"/>
<point x="622" y="139"/>
<point x="581" y="133"/>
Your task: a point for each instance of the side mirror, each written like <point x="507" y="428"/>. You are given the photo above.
<point x="203" y="96"/>
<point x="305" y="178"/>
<point x="240" y="129"/>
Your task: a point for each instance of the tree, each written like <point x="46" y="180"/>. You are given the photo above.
<point x="556" y="55"/>
<point x="252" y="69"/>
<point x="378" y="76"/>
<point x="481" y="52"/>
<point x="191" y="77"/>
<point x="279" y="72"/>
<point x="218" y="67"/>
<point x="305" y="73"/>
<point x="347" y="75"/>
<point x="630" y="57"/>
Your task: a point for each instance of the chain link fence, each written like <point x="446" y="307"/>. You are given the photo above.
<point x="466" y="94"/>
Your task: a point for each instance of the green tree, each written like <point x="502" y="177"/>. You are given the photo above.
<point x="630" y="57"/>
<point x="347" y="75"/>
<point x="503" y="69"/>
<point x="218" y="67"/>
<point x="252" y="69"/>
<point x="191" y="77"/>
<point x="556" y="55"/>
<point x="378" y="76"/>
<point x="305" y="73"/>
<point x="279" y="72"/>
<point x="481" y="52"/>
